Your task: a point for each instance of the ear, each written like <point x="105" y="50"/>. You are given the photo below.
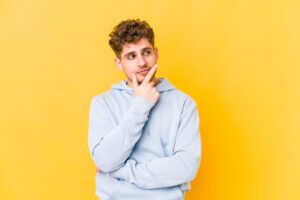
<point x="156" y="51"/>
<point x="118" y="63"/>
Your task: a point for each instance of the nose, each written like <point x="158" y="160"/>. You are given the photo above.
<point x="141" y="61"/>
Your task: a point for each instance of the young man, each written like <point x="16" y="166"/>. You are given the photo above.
<point x="143" y="133"/>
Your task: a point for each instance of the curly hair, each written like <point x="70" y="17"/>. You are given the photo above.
<point x="129" y="31"/>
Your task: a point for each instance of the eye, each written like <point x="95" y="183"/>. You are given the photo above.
<point x="130" y="56"/>
<point x="147" y="52"/>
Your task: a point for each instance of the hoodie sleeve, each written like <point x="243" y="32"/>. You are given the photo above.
<point x="177" y="169"/>
<point x="110" y="144"/>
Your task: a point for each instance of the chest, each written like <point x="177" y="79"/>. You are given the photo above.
<point x="158" y="135"/>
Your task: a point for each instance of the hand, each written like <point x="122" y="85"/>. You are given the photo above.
<point x="147" y="88"/>
<point x="98" y="170"/>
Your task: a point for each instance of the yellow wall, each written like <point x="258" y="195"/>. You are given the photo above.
<point x="238" y="59"/>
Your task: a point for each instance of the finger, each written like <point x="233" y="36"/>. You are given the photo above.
<point x="150" y="74"/>
<point x="152" y="82"/>
<point x="134" y="81"/>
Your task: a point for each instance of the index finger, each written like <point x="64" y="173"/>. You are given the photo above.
<point x="150" y="74"/>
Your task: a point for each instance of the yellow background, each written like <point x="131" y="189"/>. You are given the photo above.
<point x="239" y="59"/>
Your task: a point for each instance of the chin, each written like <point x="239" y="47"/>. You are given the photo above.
<point x="140" y="80"/>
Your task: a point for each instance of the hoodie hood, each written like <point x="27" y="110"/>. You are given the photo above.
<point x="162" y="86"/>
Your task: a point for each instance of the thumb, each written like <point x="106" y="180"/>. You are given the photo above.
<point x="134" y="81"/>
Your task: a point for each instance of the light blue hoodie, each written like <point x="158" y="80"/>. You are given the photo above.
<point x="144" y="151"/>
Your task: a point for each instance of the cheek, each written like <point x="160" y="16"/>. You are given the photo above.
<point x="129" y="68"/>
<point x="152" y="60"/>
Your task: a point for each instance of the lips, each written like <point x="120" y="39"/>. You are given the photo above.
<point x="144" y="71"/>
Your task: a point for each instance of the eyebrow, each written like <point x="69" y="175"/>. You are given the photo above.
<point x="132" y="52"/>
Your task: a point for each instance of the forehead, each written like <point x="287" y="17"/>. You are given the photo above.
<point x="136" y="46"/>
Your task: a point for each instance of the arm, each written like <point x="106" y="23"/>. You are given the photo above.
<point x="177" y="169"/>
<point x="110" y="144"/>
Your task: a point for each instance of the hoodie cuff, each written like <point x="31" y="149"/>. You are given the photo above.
<point x="142" y="105"/>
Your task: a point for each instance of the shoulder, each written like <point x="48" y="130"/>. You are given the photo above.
<point x="168" y="89"/>
<point x="184" y="97"/>
<point x="101" y="97"/>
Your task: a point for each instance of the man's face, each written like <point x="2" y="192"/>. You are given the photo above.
<point x="137" y="58"/>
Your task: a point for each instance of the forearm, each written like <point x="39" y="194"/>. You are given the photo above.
<point x="160" y="173"/>
<point x="114" y="148"/>
<point x="110" y="145"/>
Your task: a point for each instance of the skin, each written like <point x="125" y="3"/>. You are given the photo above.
<point x="134" y="58"/>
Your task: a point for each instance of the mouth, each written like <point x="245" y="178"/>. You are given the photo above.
<point x="144" y="71"/>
